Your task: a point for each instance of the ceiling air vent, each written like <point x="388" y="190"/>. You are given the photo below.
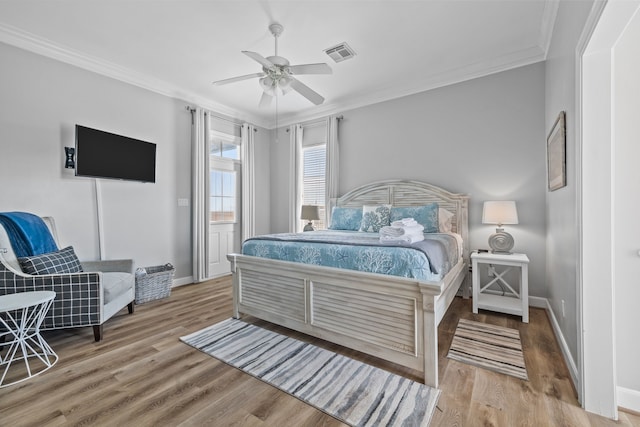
<point x="340" y="52"/>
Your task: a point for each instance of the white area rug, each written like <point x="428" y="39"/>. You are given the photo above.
<point x="353" y="392"/>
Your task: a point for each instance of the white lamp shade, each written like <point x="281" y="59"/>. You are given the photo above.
<point x="500" y="212"/>
<point x="309" y="212"/>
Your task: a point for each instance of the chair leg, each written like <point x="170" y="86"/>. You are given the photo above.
<point x="130" y="307"/>
<point x="97" y="332"/>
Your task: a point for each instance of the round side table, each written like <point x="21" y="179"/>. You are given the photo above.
<point x="21" y="315"/>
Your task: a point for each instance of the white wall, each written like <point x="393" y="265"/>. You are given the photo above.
<point x="42" y="100"/>
<point x="626" y="227"/>
<point x="561" y="205"/>
<point x="609" y="266"/>
<point x="484" y="137"/>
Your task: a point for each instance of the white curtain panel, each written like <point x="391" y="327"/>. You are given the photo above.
<point x="332" y="166"/>
<point x="248" y="182"/>
<point x="200" y="189"/>
<point x="295" y="192"/>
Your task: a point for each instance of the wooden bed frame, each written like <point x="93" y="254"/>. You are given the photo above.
<point x="389" y="317"/>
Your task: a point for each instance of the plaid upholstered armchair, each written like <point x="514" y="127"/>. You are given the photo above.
<point x="88" y="297"/>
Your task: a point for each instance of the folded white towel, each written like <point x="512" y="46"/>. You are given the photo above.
<point x="409" y="238"/>
<point x="401" y="230"/>
<point x="404" y="222"/>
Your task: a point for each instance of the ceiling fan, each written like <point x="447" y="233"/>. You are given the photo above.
<point x="277" y="76"/>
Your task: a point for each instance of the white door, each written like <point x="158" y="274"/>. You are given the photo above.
<point x="224" y="215"/>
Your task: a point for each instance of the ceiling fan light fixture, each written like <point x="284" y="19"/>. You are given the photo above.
<point x="285" y="83"/>
<point x="269" y="90"/>
<point x="277" y="74"/>
<point x="267" y="83"/>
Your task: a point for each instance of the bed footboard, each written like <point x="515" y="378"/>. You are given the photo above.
<point x="388" y="317"/>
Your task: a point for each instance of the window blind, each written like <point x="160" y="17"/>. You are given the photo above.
<point x="314" y="179"/>
<point x="314" y="175"/>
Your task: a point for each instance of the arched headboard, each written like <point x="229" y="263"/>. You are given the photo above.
<point x="413" y="193"/>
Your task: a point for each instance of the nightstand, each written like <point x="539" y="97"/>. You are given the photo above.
<point x="515" y="300"/>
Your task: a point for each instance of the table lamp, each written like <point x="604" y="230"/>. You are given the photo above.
<point x="500" y="212"/>
<point x="310" y="213"/>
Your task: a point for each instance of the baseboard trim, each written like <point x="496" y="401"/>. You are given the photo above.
<point x="564" y="347"/>
<point x="182" y="281"/>
<point x="189" y="280"/>
<point x="628" y="399"/>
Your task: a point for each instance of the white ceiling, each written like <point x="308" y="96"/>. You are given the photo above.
<point x="178" y="47"/>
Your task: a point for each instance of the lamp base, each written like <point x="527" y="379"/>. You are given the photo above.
<point x="309" y="227"/>
<point x="501" y="242"/>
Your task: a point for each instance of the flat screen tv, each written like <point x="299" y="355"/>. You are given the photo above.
<point x="101" y="154"/>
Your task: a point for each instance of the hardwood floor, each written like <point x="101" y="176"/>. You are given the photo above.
<point x="142" y="375"/>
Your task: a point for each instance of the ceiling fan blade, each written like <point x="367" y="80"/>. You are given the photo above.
<point x="310" y="69"/>
<point x="259" y="58"/>
<point x="306" y="91"/>
<point x="265" y="100"/>
<point x="237" y="79"/>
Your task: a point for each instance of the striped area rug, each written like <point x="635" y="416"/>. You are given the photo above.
<point x="353" y="392"/>
<point x="488" y="346"/>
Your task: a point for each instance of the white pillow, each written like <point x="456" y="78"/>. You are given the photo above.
<point x="374" y="217"/>
<point x="444" y="220"/>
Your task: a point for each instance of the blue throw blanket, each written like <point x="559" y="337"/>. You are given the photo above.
<point x="28" y="234"/>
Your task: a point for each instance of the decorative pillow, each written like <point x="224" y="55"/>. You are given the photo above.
<point x="444" y="220"/>
<point x="426" y="215"/>
<point x="62" y="261"/>
<point x="374" y="217"/>
<point x="346" y="218"/>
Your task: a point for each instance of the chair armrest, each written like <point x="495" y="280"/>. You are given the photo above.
<point x="119" y="265"/>
<point x="79" y="296"/>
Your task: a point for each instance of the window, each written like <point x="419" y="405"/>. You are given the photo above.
<point x="314" y="169"/>
<point x="224" y="156"/>
<point x="314" y="180"/>
<point x="222" y="202"/>
<point x="224" y="146"/>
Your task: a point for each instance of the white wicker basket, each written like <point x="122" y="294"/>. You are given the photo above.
<point x="154" y="283"/>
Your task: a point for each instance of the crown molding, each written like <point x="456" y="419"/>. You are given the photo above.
<point x="548" y="23"/>
<point x="44" y="47"/>
<point x="446" y="78"/>
<point x="41" y="46"/>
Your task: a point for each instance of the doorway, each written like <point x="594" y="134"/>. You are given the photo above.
<point x="224" y="202"/>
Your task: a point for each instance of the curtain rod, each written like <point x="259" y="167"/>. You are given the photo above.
<point x="235" y="123"/>
<point x="317" y="122"/>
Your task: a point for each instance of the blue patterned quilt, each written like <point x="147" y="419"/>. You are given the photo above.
<point x="429" y="260"/>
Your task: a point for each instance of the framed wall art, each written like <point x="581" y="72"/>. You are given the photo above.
<point x="556" y="154"/>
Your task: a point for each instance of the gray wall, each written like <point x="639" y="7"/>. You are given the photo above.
<point x="280" y="173"/>
<point x="42" y="100"/>
<point x="484" y="137"/>
<point x="561" y="212"/>
<point x="263" y="149"/>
